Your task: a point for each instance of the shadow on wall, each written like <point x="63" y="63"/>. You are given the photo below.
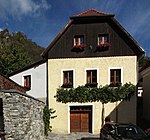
<point x="123" y="112"/>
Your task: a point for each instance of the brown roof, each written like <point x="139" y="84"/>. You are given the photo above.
<point x="88" y="14"/>
<point x="92" y="12"/>
<point x="8" y="84"/>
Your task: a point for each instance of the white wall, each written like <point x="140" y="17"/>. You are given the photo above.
<point x="38" y="80"/>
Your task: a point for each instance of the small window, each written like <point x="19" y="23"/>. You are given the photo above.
<point x="67" y="79"/>
<point x="91" y="78"/>
<point x="115" y="77"/>
<point x="103" y="39"/>
<point x="79" y="40"/>
<point x="27" y="81"/>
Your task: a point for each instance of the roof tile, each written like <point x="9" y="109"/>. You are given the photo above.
<point x="92" y="12"/>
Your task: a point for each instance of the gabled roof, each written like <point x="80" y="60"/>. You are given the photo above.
<point x="91" y="12"/>
<point x="96" y="14"/>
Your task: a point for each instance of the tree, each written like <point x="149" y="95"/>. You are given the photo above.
<point x="12" y="58"/>
<point x="16" y="51"/>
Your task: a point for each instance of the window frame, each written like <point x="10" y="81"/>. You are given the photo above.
<point x="30" y="83"/>
<point x="90" y="69"/>
<point x="109" y="73"/>
<point x="103" y="35"/>
<point x="62" y="76"/>
<point x="79" y="40"/>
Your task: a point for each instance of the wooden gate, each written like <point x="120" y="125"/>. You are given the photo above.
<point x="81" y="120"/>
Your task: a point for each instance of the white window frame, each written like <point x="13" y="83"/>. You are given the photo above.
<point x="69" y="105"/>
<point x="115" y="68"/>
<point x="92" y="69"/>
<point x="63" y="77"/>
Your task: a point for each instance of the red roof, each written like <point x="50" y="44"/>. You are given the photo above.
<point x="91" y="12"/>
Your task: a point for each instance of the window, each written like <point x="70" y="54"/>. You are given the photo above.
<point x="91" y="78"/>
<point x="103" y="39"/>
<point x="79" y="40"/>
<point x="67" y="79"/>
<point x="27" y="81"/>
<point x="115" y="77"/>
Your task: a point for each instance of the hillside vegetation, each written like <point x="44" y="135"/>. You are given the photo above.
<point x="17" y="51"/>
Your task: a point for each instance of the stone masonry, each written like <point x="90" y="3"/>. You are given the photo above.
<point x="23" y="116"/>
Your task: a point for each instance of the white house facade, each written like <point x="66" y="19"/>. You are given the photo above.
<point x="33" y="78"/>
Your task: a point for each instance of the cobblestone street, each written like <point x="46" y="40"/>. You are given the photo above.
<point x="72" y="136"/>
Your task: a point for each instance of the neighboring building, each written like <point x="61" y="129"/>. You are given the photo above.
<point x="8" y="84"/>
<point x="145" y="73"/>
<point x="33" y="78"/>
<point x="92" y="48"/>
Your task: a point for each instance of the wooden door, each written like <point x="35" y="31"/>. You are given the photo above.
<point x="85" y="122"/>
<point x="80" y="121"/>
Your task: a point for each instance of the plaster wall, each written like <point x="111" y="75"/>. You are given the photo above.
<point x="127" y="110"/>
<point x="38" y="80"/>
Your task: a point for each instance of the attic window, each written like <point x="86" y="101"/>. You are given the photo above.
<point x="79" y="41"/>
<point x="103" y="39"/>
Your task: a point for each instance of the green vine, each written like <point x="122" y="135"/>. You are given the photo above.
<point x="47" y="116"/>
<point x="102" y="94"/>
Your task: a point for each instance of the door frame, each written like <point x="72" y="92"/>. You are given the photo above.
<point x="92" y="105"/>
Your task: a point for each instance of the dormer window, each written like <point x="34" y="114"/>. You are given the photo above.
<point x="103" y="39"/>
<point x="79" y="41"/>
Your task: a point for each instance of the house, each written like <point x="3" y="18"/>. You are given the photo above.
<point x="33" y="78"/>
<point x="93" y="48"/>
<point x="145" y="74"/>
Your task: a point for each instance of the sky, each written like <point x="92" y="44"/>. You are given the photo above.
<point x="42" y="20"/>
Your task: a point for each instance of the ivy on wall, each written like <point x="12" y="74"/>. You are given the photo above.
<point x="47" y="116"/>
<point x="102" y="94"/>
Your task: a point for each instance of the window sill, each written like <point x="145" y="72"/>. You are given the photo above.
<point x="67" y="86"/>
<point x="77" y="49"/>
<point x="27" y="88"/>
<point x="91" y="84"/>
<point x="102" y="48"/>
<point x="114" y="84"/>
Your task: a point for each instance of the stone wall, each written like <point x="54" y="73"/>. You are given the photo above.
<point x="23" y="116"/>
